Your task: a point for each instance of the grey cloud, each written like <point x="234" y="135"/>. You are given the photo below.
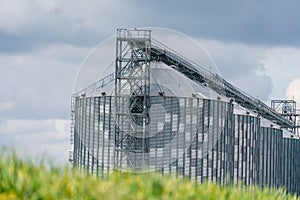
<point x="39" y="84"/>
<point x="241" y="65"/>
<point x="234" y="59"/>
<point x="85" y="24"/>
<point x="33" y="138"/>
<point x="33" y="23"/>
<point x="258" y="86"/>
<point x="252" y="22"/>
<point x="39" y="97"/>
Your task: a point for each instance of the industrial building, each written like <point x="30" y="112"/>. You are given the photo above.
<point x="153" y="109"/>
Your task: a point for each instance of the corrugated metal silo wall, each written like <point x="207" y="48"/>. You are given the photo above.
<point x="289" y="164"/>
<point x="246" y="149"/>
<point x="271" y="145"/>
<point x="226" y="147"/>
<point x="297" y="168"/>
<point x="92" y="150"/>
<point x="210" y="156"/>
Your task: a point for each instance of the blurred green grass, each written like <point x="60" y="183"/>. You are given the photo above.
<point x="25" y="179"/>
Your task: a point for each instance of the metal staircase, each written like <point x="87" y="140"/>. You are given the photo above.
<point x="197" y="73"/>
<point x="132" y="90"/>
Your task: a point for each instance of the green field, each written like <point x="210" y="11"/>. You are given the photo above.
<point x="24" y="179"/>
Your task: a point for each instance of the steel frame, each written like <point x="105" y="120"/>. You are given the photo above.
<point x="132" y="81"/>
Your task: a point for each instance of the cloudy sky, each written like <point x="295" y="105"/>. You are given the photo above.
<point x="255" y="44"/>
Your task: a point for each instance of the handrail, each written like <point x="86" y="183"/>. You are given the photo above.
<point x="196" y="72"/>
<point x="231" y="91"/>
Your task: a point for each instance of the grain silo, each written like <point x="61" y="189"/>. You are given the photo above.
<point x="154" y="109"/>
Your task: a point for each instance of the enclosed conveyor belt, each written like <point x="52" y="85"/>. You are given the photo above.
<point x="197" y="73"/>
<point x="214" y="81"/>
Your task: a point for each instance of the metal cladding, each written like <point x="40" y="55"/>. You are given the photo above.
<point x="192" y="141"/>
<point x="246" y="146"/>
<point x="270" y="156"/>
<point x="158" y="112"/>
<point x="291" y="163"/>
<point x="297" y="167"/>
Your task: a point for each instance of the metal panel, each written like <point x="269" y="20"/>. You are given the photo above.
<point x="271" y="141"/>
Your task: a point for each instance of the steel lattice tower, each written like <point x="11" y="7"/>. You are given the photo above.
<point x="132" y="90"/>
